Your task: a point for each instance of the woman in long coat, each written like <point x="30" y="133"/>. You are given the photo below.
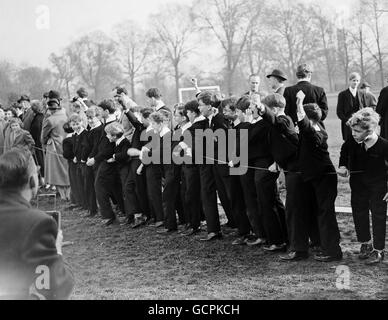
<point x="36" y="133"/>
<point x="56" y="167"/>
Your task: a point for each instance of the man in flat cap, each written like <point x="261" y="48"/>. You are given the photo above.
<point x="313" y="94"/>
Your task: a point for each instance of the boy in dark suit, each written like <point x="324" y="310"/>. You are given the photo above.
<point x="93" y="115"/>
<point x="318" y="171"/>
<point x="115" y="133"/>
<point x="364" y="158"/>
<point x="68" y="154"/>
<point x="79" y="143"/>
<point x="106" y="185"/>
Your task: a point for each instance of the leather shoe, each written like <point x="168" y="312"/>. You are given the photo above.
<point x="110" y="222"/>
<point x="324" y="258"/>
<point x="276" y="248"/>
<point x="157" y="224"/>
<point x="212" y="236"/>
<point x="191" y="232"/>
<point x="294" y="256"/>
<point x="166" y="231"/>
<point x="139" y="222"/>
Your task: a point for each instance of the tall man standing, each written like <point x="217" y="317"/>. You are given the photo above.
<point x="313" y="94"/>
<point x="349" y="102"/>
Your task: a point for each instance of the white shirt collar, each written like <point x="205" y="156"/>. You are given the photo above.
<point x="304" y="80"/>
<point x="186" y="126"/>
<point x="159" y="105"/>
<point x="236" y="122"/>
<point x="198" y="119"/>
<point x="69" y="135"/>
<point x="253" y="121"/>
<point x="371" y="140"/>
<point x="353" y="91"/>
<point x="111" y="118"/>
<point x="149" y="128"/>
<point x="81" y="131"/>
<point x="120" y="140"/>
<point x="96" y="126"/>
<point x="164" y="131"/>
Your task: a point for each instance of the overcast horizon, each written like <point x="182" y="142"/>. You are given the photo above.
<point x="26" y="43"/>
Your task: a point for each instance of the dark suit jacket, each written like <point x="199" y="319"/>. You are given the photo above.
<point x="313" y="94"/>
<point x="346" y="108"/>
<point x="381" y="109"/>
<point x="27" y="241"/>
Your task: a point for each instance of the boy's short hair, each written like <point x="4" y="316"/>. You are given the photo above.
<point x="154" y="93"/>
<point x="354" y="75"/>
<point x="115" y="129"/>
<point x="231" y="102"/>
<point x="145" y="112"/>
<point x="75" y="117"/>
<point x="366" y="118"/>
<point x="157" y="117"/>
<point x="16" y="120"/>
<point x="192" y="106"/>
<point x="180" y="109"/>
<point x="313" y="112"/>
<point x="243" y="103"/>
<point x="166" y="115"/>
<point x="275" y="100"/>
<point x="67" y="127"/>
<point x="108" y="105"/>
<point x="207" y="98"/>
<point x="93" y="111"/>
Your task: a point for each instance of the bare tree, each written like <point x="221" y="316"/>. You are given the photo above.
<point x="64" y="69"/>
<point x="374" y="14"/>
<point x="173" y="28"/>
<point x="134" y="49"/>
<point x="326" y="28"/>
<point x="94" y="59"/>
<point x="295" y="32"/>
<point x="231" y="21"/>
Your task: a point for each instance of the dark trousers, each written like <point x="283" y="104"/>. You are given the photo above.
<point x="180" y="198"/>
<point x="368" y="196"/>
<point x="297" y="215"/>
<point x="91" y="193"/>
<point x="75" y="194"/>
<point x="325" y="190"/>
<point x="271" y="207"/>
<point x="209" y="198"/>
<point x="239" y="209"/>
<point x="172" y="180"/>
<point x="140" y="183"/>
<point x="192" y="199"/>
<point x="222" y="181"/>
<point x="80" y="178"/>
<point x="107" y="188"/>
<point x="250" y="197"/>
<point x="124" y="173"/>
<point x="154" y="191"/>
<point x="39" y="156"/>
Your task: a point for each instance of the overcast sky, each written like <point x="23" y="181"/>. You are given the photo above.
<point x="25" y="39"/>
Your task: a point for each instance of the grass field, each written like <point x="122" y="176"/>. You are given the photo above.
<point x="120" y="263"/>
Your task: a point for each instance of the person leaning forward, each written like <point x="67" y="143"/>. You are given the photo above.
<point x="30" y="243"/>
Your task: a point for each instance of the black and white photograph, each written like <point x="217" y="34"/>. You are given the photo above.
<point x="193" y="155"/>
